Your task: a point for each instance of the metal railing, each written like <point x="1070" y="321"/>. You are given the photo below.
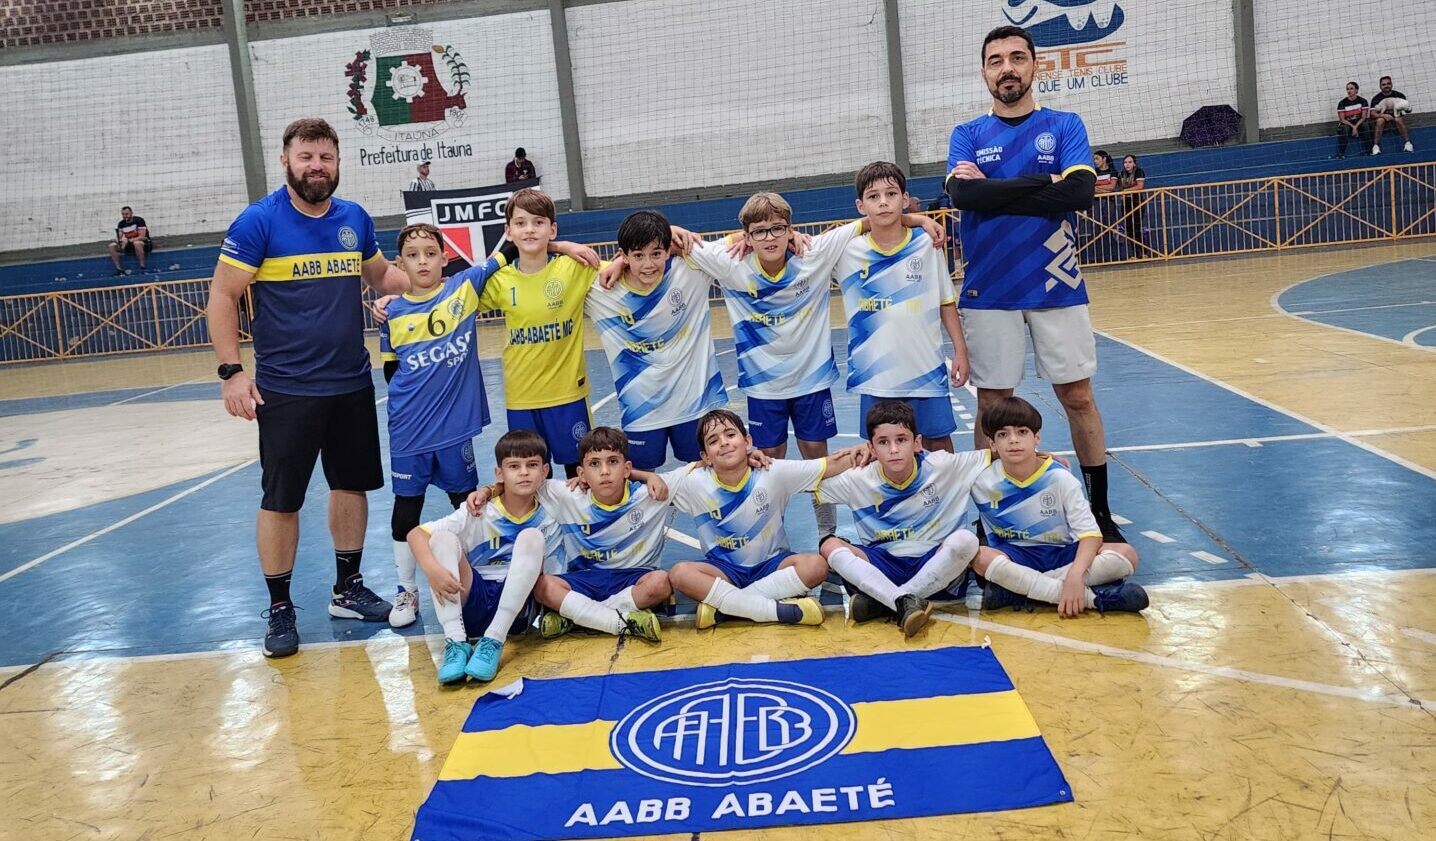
<point x="1165" y="223"/>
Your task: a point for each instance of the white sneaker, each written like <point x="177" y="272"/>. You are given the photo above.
<point x="1375" y="150"/>
<point x="406" y="609"/>
<point x="1408" y="147"/>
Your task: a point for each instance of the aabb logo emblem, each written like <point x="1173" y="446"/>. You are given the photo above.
<point x="397" y="92"/>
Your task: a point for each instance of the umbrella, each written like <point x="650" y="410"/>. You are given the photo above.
<point x="1211" y="125"/>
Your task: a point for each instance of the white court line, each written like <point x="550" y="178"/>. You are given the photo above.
<point x="1299" y="316"/>
<point x="1258" y="441"/>
<point x="1120" y="520"/>
<point x="1373" y="696"/>
<point x="1208" y="557"/>
<point x="1410" y="338"/>
<point x="126" y="521"/>
<point x="1158" y="536"/>
<point x="686" y="540"/>
<point x="1333" y="432"/>
<point x="1281" y="314"/>
<point x="156" y="391"/>
<point x="1418" y="634"/>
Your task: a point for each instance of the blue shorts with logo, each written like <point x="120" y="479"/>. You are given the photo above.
<point x="934" y="414"/>
<point x="1044" y="558"/>
<point x="741" y="576"/>
<point x="559" y="426"/>
<point x="483" y="602"/>
<point x="648" y="449"/>
<point x="451" y="470"/>
<point x="599" y="584"/>
<point x="900" y="570"/>
<point x="812" y="415"/>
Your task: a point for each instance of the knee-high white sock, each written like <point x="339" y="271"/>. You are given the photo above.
<point x="1107" y="567"/>
<point x="949" y="561"/>
<point x="725" y="598"/>
<point x="524" y="570"/>
<point x="405" y="565"/>
<point x="622" y="601"/>
<point x="827" y="516"/>
<point x="1028" y="582"/>
<point x="864" y="576"/>
<point x="449" y="552"/>
<point x="590" y="614"/>
<point x="783" y="584"/>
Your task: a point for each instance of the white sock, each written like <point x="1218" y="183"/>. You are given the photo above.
<point x="449" y="552"/>
<point x="864" y="576"/>
<point x="1025" y="581"/>
<point x="949" y="561"/>
<point x="725" y="598"/>
<point x="783" y="584"/>
<point x="590" y="614"/>
<point x="405" y="565"/>
<point x="524" y="570"/>
<point x="1107" y="567"/>
<point x="622" y="601"/>
<point x="827" y="516"/>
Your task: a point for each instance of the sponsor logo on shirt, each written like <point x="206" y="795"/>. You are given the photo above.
<point x="334" y="266"/>
<point x="989" y="154"/>
<point x="450" y="353"/>
<point x="538" y="334"/>
<point x="347" y="237"/>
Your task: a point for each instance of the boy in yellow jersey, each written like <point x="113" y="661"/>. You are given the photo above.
<point x="545" y="380"/>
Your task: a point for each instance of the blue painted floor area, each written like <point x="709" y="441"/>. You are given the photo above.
<point x="1394" y="300"/>
<point x="184" y="578"/>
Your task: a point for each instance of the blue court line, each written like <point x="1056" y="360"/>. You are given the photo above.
<point x="1397" y="301"/>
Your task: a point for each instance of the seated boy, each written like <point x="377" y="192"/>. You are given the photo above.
<point x="654" y="326"/>
<point x="748" y="569"/>
<point x="908" y="509"/>
<point x="482" y="567"/>
<point x="1044" y="541"/>
<point x="899" y="300"/>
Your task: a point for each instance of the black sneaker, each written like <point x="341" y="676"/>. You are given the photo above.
<point x="912" y="613"/>
<point x="282" y="637"/>
<point x="1120" y="597"/>
<point x="865" y="608"/>
<point x="1108" y="527"/>
<point x="359" y="602"/>
<point x="996" y="598"/>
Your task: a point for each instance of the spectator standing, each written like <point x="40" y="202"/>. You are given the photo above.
<point x="1132" y="179"/>
<point x="1351" y="120"/>
<point x="131" y="235"/>
<point x="422" y="183"/>
<point x="1103" y="248"/>
<point x="1381" y="117"/>
<point x="520" y="168"/>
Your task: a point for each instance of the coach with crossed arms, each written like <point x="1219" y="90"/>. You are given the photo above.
<point x="305" y="252"/>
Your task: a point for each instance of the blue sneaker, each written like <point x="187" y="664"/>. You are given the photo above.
<point x="282" y="637"/>
<point x="1121" y="597"/>
<point x="456" y="657"/>
<point x="359" y="602"/>
<point x="996" y="598"/>
<point x="484" y="664"/>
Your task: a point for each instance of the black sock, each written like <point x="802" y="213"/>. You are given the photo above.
<point x="346" y="566"/>
<point x="570" y="470"/>
<point x="1095" y="478"/>
<point x="278" y="588"/>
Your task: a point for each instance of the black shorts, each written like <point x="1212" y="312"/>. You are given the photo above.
<point x="293" y="430"/>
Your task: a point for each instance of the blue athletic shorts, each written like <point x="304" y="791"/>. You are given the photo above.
<point x="451" y="470"/>
<point x="1043" y="558"/>
<point x="559" y="426"/>
<point x="599" y="584"/>
<point x="649" y="449"/>
<point x="900" y="570"/>
<point x="483" y="601"/>
<point x="741" y="576"/>
<point x="812" y="415"/>
<point x="934" y="414"/>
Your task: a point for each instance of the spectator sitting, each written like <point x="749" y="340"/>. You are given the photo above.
<point x="422" y="183"/>
<point x="914" y="205"/>
<point x="1106" y="177"/>
<point x="131" y="234"/>
<point x="1351" y="120"/>
<point x="520" y="168"/>
<point x="1388" y="107"/>
<point x="1131" y="179"/>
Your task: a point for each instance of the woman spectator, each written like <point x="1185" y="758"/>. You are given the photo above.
<point x="1106" y="177"/>
<point x="1103" y="246"/>
<point x="1132" y="179"/>
<point x="1351" y="114"/>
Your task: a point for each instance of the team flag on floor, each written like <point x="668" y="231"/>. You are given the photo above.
<point x="742" y="746"/>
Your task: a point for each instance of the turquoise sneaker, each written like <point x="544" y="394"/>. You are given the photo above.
<point x="456" y="657"/>
<point x="484" y="665"/>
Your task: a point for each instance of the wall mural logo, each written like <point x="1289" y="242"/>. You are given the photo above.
<point x="1072" y="54"/>
<point x="397" y="92"/>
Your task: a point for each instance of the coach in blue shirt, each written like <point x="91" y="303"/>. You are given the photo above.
<point x="1019" y="174"/>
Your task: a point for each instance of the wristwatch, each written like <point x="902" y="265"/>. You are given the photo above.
<point x="228" y="370"/>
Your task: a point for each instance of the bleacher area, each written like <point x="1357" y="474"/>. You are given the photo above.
<point x="180" y="258"/>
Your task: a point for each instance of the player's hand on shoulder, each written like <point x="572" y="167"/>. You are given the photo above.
<point x="579" y="252"/>
<point x="478" y="499"/>
<point x="610" y="274"/>
<point x="934" y="230"/>
<point x="241" y="396"/>
<point x="684" y="240"/>
<point x="380" y="308"/>
<point x="576" y="484"/>
<point x="800" y="244"/>
<point x="657" y="488"/>
<point x="759" y="459"/>
<point x="738" y="245"/>
<point x="858" y="454"/>
<point x="1062" y="460"/>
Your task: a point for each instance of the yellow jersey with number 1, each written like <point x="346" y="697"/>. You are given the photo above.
<point x="543" y="328"/>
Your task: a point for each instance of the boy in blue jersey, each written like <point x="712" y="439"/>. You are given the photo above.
<point x="482" y="566"/>
<point x="1044" y="542"/>
<point x="908" y="507"/>
<point x="1019" y="174"/>
<point x="899" y="301"/>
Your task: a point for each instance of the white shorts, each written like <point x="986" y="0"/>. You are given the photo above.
<point x="1062" y="343"/>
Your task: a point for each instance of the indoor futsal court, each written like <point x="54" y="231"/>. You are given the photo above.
<point x="1273" y="450"/>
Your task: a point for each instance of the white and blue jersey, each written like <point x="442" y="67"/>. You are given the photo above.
<point x="488" y="539"/>
<point x="1046" y="509"/>
<point x="660" y="347"/>
<point x="908" y="519"/>
<point x="743" y="524"/>
<point x="436" y="398"/>
<point x="893" y="300"/>
<point x="1021" y="262"/>
<point x="626" y="535"/>
<point x="780" y="323"/>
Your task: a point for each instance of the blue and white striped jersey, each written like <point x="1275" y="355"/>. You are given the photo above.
<point x="908" y="519"/>
<point x="743" y="523"/>
<point x="1047" y="508"/>
<point x="489" y="538"/>
<point x="626" y="535"/>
